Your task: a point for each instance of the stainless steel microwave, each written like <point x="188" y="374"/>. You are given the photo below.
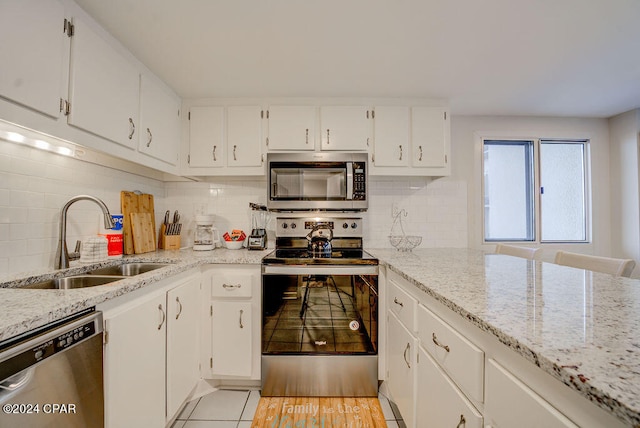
<point x="317" y="181"/>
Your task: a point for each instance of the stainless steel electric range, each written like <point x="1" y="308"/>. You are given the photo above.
<point x="319" y="310"/>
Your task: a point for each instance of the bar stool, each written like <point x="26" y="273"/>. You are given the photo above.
<point x="514" y="250"/>
<point x="617" y="267"/>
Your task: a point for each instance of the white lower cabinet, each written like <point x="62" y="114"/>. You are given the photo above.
<point x="183" y="343"/>
<point x="231" y="326"/>
<point x="401" y="366"/>
<point x="440" y="402"/>
<point x="151" y="352"/>
<point x="511" y="403"/>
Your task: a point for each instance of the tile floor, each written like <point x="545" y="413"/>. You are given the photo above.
<point x="235" y="409"/>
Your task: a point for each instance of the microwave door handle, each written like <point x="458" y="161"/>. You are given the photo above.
<point x="349" y="181"/>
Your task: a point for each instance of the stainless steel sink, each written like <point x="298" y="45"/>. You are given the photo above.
<point x="69" y="282"/>
<point x="127" y="269"/>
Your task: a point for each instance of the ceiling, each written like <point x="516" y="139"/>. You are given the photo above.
<point x="495" y="57"/>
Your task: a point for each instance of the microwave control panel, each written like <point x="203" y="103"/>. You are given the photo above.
<point x="359" y="181"/>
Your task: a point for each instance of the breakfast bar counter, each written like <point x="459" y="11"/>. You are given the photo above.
<point x="581" y="327"/>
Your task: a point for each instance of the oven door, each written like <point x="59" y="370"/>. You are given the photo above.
<point x="320" y="310"/>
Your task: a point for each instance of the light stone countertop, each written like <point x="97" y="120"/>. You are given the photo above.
<point x="581" y="327"/>
<point x="26" y="309"/>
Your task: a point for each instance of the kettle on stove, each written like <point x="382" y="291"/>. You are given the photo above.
<point x="320" y="241"/>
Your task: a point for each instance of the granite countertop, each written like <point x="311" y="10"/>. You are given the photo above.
<point x="26" y="309"/>
<point x="581" y="327"/>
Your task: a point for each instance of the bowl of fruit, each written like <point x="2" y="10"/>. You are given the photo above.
<point x="234" y="240"/>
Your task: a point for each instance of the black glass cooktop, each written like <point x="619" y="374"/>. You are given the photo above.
<point x="303" y="256"/>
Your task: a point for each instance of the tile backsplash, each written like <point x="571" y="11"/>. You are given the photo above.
<point x="34" y="185"/>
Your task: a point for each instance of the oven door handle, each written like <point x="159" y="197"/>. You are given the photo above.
<point x="319" y="270"/>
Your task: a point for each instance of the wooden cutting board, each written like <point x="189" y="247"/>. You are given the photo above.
<point x="131" y="202"/>
<point x="143" y="232"/>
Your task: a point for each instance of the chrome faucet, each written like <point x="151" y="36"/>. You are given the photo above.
<point x="62" y="255"/>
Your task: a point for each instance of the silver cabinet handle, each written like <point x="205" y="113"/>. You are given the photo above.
<point x="241" y="312"/>
<point x="328" y="136"/>
<point x="397" y="302"/>
<point x="407" y="349"/>
<point x="462" y="423"/>
<point x="420" y="157"/>
<point x="231" y="286"/>
<point x="307" y="137"/>
<point x="179" y="307"/>
<point x="214" y="153"/>
<point x="132" y="127"/>
<point x="435" y="340"/>
<point x="234" y="152"/>
<point x="150" y="137"/>
<point x="400" y="152"/>
<point x="164" y="316"/>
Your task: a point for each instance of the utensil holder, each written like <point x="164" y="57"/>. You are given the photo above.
<point x="171" y="242"/>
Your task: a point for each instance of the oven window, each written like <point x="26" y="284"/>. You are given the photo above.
<point x="323" y="184"/>
<point x="320" y="314"/>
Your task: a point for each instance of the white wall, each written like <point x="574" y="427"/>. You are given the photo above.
<point x="466" y="134"/>
<point x="625" y="194"/>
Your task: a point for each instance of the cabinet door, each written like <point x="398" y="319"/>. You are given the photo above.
<point x="391" y="136"/>
<point x="429" y="137"/>
<point x="345" y="127"/>
<point x="159" y="134"/>
<point x="206" y="137"/>
<point x="292" y="128"/>
<point x="231" y="338"/>
<point x="401" y="363"/>
<point x="510" y="403"/>
<point x="442" y="404"/>
<point x="244" y="136"/>
<point x="183" y="350"/>
<point x="104" y="88"/>
<point x="134" y="364"/>
<point x="34" y="52"/>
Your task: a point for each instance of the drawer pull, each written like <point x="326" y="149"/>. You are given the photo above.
<point x="397" y="302"/>
<point x="231" y="286"/>
<point x="462" y="423"/>
<point x="164" y="317"/>
<point x="241" y="312"/>
<point x="435" y="340"/>
<point x="179" y="307"/>
<point x="408" y="348"/>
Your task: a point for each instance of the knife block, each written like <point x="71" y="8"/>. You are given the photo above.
<point x="168" y="242"/>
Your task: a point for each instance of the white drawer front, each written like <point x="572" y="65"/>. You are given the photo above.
<point x="402" y="305"/>
<point x="232" y="283"/>
<point x="440" y="402"/>
<point x="510" y="403"/>
<point x="461" y="359"/>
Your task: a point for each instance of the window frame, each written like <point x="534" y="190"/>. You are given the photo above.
<point x="537" y="195"/>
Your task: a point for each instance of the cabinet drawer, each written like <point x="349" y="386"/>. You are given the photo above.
<point x="232" y="283"/>
<point x="402" y="305"/>
<point x="440" y="402"/>
<point x="511" y="403"/>
<point x="461" y="359"/>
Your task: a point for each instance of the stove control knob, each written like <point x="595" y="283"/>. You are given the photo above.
<point x="354" y="225"/>
<point x="293" y="226"/>
<point x="285" y="225"/>
<point x="345" y="225"/>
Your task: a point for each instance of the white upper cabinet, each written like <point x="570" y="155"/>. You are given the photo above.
<point x="244" y="136"/>
<point x="292" y="128"/>
<point x="430" y="137"/>
<point x="35" y="53"/>
<point x="206" y="137"/>
<point x="159" y="135"/>
<point x="345" y="128"/>
<point x="103" y="88"/>
<point x="391" y="136"/>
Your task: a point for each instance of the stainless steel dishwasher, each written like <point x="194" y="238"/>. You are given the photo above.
<point x="53" y="376"/>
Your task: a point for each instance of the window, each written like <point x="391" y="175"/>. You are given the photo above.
<point x="535" y="190"/>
